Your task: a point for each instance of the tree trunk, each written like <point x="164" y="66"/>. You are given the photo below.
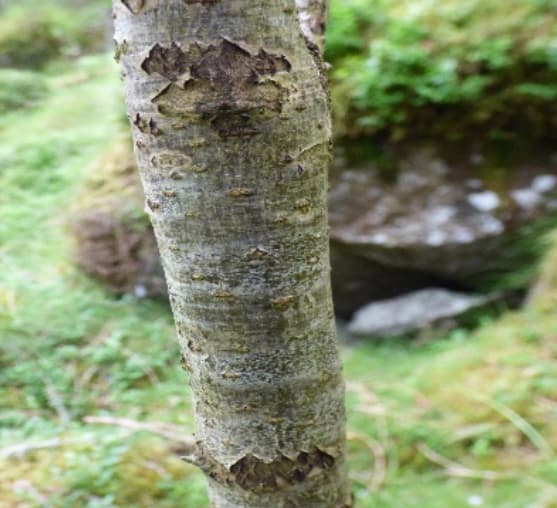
<point x="230" y="116"/>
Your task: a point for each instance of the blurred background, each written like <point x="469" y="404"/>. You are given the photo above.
<point x="443" y="211"/>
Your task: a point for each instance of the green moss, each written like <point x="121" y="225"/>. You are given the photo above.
<point x="112" y="185"/>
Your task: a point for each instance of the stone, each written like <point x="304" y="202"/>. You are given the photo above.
<point x="113" y="239"/>
<point x="485" y="201"/>
<point x="544" y="183"/>
<point x="413" y="311"/>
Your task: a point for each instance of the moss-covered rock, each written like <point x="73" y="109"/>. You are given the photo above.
<point x="457" y="218"/>
<point x="114" y="241"/>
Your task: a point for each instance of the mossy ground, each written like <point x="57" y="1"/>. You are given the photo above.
<point x="487" y="400"/>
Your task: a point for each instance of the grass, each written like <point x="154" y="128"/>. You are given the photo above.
<point x="485" y="401"/>
<point x="467" y="420"/>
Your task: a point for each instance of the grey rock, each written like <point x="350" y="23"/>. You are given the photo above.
<point x="544" y="183"/>
<point x="413" y="311"/>
<point x="485" y="201"/>
<point x="526" y="198"/>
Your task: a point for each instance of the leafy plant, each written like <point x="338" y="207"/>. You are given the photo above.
<point x="415" y="68"/>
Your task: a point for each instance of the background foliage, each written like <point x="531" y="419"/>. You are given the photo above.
<point x="414" y="68"/>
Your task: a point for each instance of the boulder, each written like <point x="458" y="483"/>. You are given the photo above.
<point x="441" y="219"/>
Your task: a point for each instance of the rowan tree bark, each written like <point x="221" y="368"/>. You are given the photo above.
<point x="229" y="109"/>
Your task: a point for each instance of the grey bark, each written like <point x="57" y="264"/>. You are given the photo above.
<point x="229" y="111"/>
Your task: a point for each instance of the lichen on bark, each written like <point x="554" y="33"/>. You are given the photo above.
<point x="232" y="134"/>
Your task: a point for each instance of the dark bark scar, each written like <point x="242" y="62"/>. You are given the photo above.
<point x="220" y="63"/>
<point x="134" y="6"/>
<point x="139" y="6"/>
<point x="146" y="126"/>
<point x="223" y="83"/>
<point x="255" y="475"/>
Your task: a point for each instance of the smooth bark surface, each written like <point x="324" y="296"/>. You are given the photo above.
<point x="230" y="116"/>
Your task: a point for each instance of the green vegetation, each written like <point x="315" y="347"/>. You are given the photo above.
<point x="401" y="69"/>
<point x="415" y="68"/>
<point x="32" y="35"/>
<point x="485" y="400"/>
<point x="20" y="89"/>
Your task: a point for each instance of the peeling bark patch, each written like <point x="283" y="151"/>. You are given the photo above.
<point x="139" y="6"/>
<point x="170" y="63"/>
<point x="223" y="63"/>
<point x="222" y="82"/>
<point x="227" y="62"/>
<point x="254" y="475"/>
<point x="134" y="6"/>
